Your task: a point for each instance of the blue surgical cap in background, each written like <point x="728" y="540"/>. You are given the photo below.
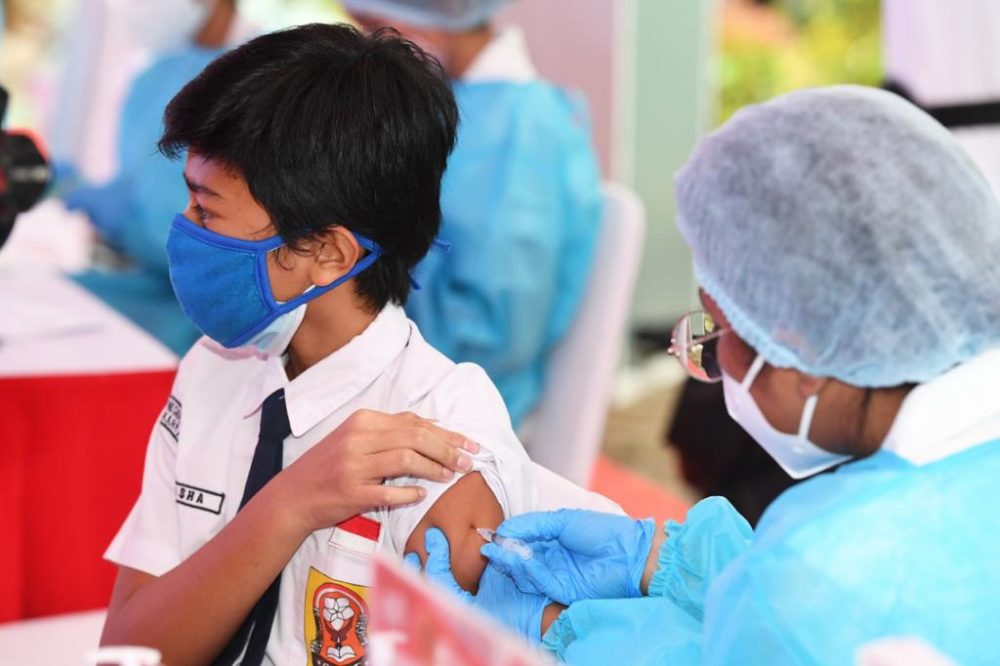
<point x="844" y="233"/>
<point x="450" y="15"/>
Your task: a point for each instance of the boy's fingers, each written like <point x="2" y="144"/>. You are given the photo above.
<point x="395" y="495"/>
<point x="406" y="421"/>
<point x="424" y="442"/>
<point x="405" y="462"/>
<point x="455" y="439"/>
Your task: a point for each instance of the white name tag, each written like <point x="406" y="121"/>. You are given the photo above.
<point x="199" y="498"/>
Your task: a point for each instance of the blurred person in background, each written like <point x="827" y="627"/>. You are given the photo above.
<point x="521" y="199"/>
<point x="132" y="212"/>
<point x="846" y="250"/>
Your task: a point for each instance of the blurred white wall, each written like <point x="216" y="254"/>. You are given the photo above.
<point x="573" y="43"/>
<point x="643" y="66"/>
<point x="948" y="53"/>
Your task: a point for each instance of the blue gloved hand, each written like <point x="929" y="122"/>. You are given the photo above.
<point x="107" y="206"/>
<point x="65" y="178"/>
<point x="498" y="595"/>
<point x="577" y="554"/>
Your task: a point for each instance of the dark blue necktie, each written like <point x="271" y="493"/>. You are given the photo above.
<point x="256" y="629"/>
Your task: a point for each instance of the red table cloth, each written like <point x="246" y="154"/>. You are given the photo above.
<point x="71" y="467"/>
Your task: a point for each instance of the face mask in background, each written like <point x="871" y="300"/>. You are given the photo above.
<point x="162" y="25"/>
<point x="798" y="456"/>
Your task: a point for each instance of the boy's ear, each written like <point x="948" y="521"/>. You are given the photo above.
<point x="336" y="252"/>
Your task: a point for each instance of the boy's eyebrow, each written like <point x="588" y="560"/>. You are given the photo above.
<point x="198" y="188"/>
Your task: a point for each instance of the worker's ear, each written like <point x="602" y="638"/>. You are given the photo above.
<point x="335" y="252"/>
<point x="809" y="385"/>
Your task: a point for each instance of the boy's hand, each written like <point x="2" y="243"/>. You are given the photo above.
<point x="341" y="476"/>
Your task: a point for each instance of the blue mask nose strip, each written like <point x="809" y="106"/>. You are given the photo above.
<point x="222" y="283"/>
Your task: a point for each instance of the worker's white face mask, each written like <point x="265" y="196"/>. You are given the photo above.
<point x="794" y="453"/>
<point x="162" y="25"/>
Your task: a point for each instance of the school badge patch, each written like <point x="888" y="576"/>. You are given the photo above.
<point x="337" y="634"/>
<point x="170" y="419"/>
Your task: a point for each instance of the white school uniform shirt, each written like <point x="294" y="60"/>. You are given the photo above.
<point x="201" y="448"/>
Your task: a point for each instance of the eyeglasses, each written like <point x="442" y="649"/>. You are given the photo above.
<point x="695" y="343"/>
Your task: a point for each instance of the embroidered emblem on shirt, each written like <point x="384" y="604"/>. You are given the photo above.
<point x="170" y="419"/>
<point x="337" y="634"/>
<point x="199" y="498"/>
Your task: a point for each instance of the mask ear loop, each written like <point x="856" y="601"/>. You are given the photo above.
<point x="755" y="368"/>
<point x="808" y="410"/>
<point x="807" y="416"/>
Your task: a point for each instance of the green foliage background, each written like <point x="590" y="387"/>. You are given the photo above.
<point x="834" y="41"/>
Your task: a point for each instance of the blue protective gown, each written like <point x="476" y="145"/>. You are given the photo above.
<point x="133" y="212"/>
<point x="882" y="547"/>
<point x="521" y="206"/>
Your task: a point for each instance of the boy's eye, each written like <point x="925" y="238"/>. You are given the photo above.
<point x="200" y="213"/>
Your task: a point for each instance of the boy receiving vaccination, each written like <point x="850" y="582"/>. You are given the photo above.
<point x="314" y="160"/>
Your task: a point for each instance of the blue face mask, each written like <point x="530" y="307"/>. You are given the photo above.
<point x="222" y="284"/>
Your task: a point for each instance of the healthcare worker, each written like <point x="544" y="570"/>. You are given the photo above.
<point x="847" y="252"/>
<point x="132" y="213"/>
<point x="521" y="200"/>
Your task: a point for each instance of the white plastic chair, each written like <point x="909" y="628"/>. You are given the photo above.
<point x="564" y="432"/>
<point x="556" y="492"/>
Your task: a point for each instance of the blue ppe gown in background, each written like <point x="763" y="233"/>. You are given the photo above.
<point x="521" y="206"/>
<point x="133" y="212"/>
<point x="882" y="547"/>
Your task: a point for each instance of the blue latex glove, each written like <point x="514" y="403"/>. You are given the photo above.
<point x="577" y="554"/>
<point x="497" y="596"/>
<point x="105" y="205"/>
<point x="66" y="178"/>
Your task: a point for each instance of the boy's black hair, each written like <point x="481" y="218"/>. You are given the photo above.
<point x="329" y="126"/>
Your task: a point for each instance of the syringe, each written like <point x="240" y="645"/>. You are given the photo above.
<point x="516" y="546"/>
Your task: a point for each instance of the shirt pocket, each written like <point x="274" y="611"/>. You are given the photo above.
<point x="333" y="578"/>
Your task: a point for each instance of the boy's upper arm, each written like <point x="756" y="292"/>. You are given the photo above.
<point x="468" y="504"/>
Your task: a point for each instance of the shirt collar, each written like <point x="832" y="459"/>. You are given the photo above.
<point x="950" y="413"/>
<point x="331" y="383"/>
<point x="505" y="58"/>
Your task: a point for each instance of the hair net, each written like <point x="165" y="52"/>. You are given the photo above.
<point x="451" y="15"/>
<point x="844" y="233"/>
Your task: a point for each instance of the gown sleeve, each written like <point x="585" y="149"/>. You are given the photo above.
<point x="696" y="551"/>
<point x="648" y="630"/>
